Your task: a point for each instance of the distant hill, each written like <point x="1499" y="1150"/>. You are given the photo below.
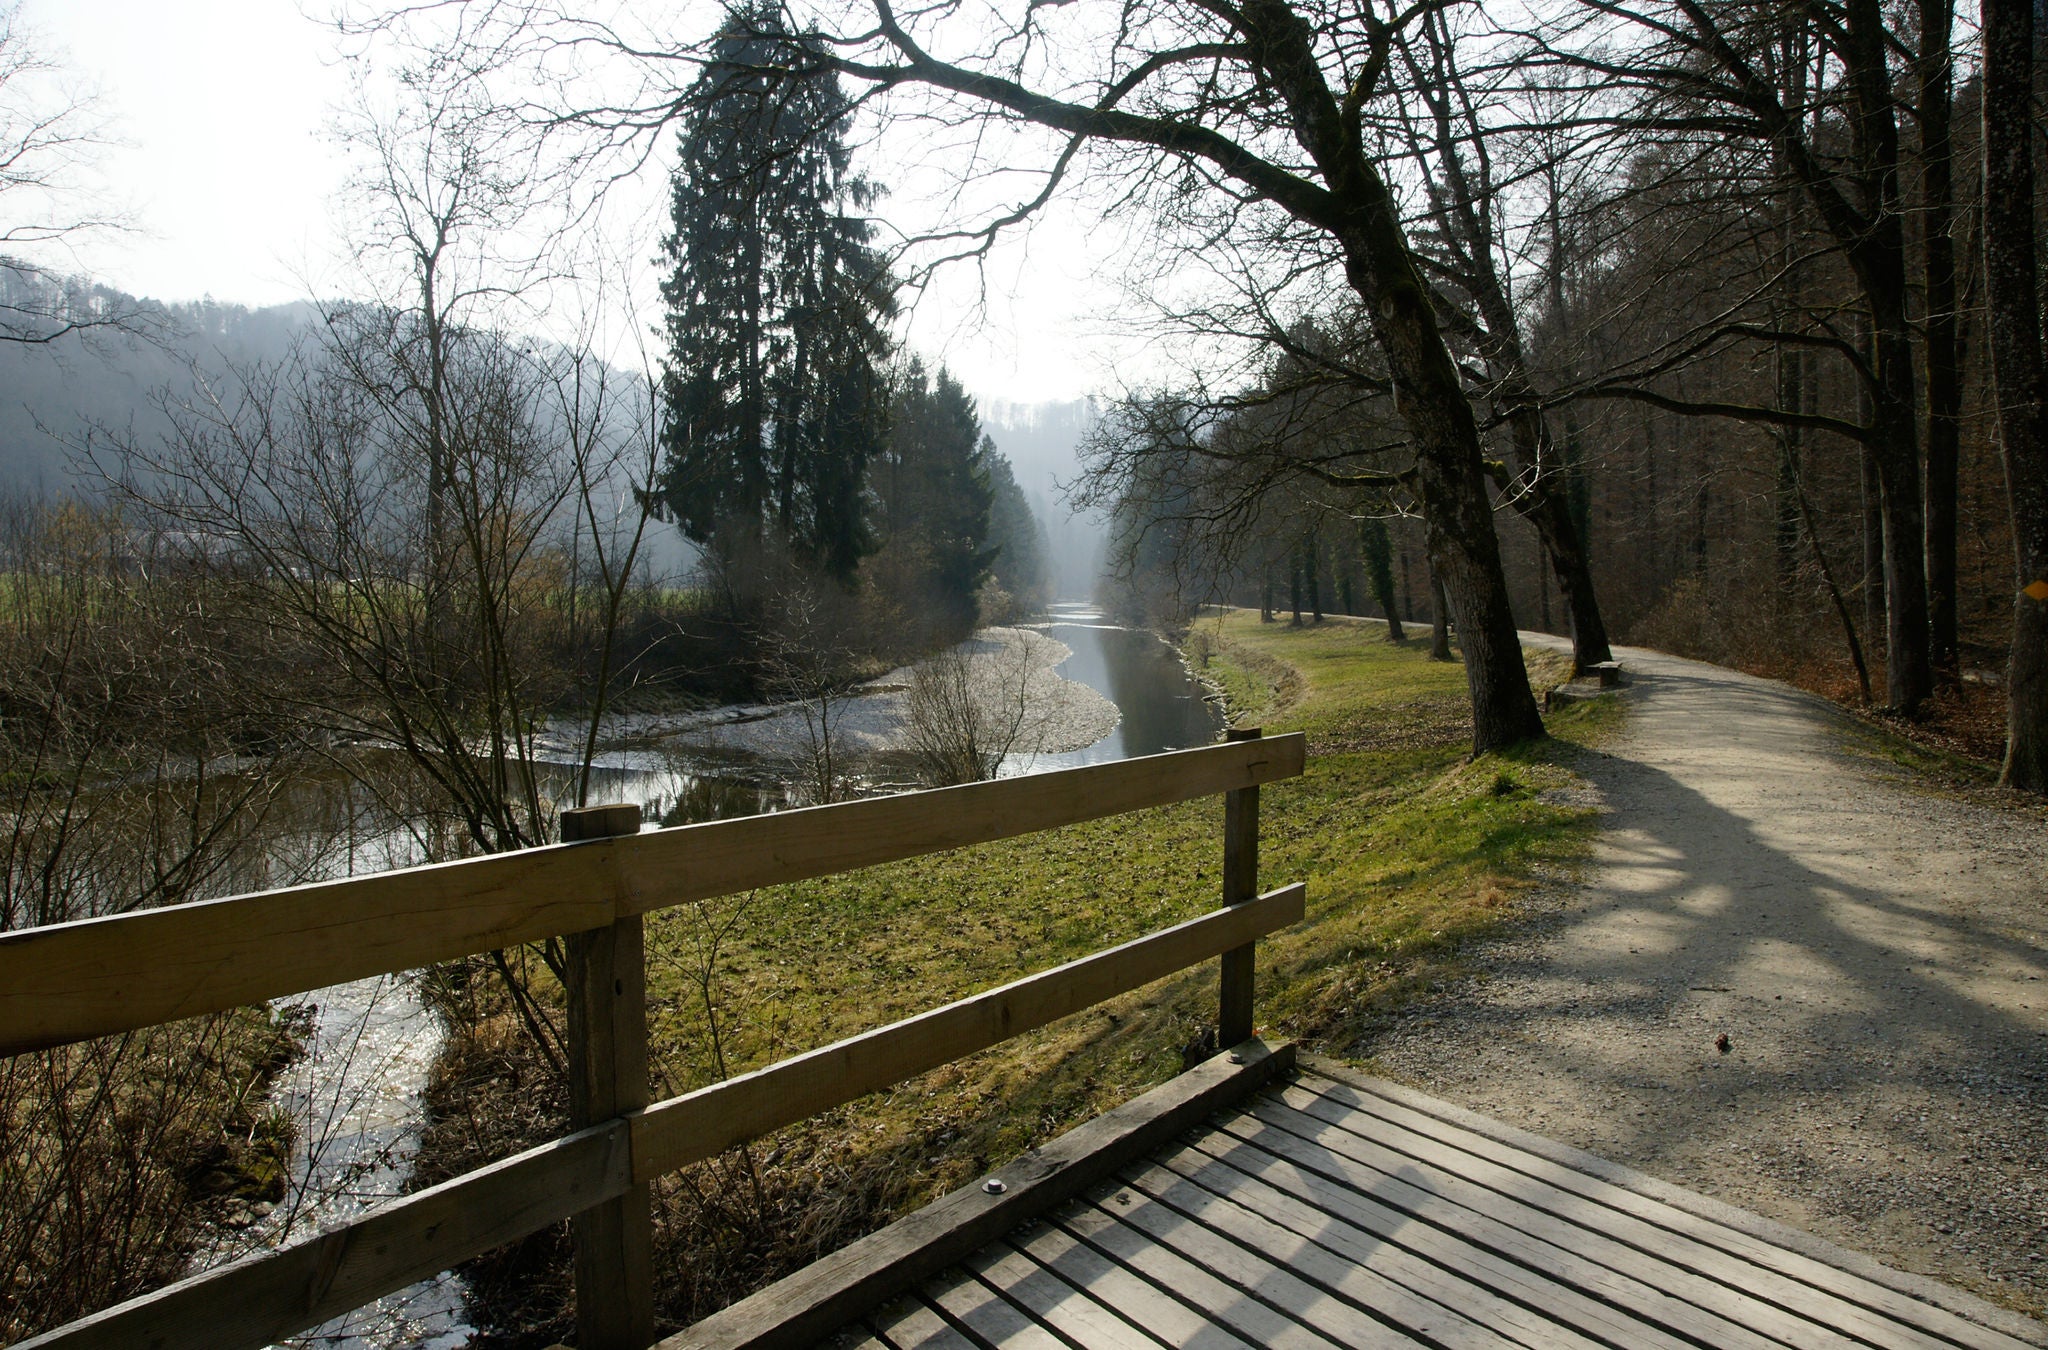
<point x="1041" y="441"/>
<point x="57" y="398"/>
<point x="53" y="397"/>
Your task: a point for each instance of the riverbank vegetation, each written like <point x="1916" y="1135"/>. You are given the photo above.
<point x="1410" y="849"/>
<point x="117" y="1155"/>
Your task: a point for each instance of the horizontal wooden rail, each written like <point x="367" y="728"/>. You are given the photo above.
<point x="265" y="1298"/>
<point x="262" y="1299"/>
<point x="96" y="977"/>
<point x="686" y="1129"/>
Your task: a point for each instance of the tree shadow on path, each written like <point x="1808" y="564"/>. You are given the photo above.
<point x="1877" y="961"/>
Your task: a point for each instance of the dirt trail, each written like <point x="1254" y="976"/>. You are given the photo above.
<point x="1877" y="958"/>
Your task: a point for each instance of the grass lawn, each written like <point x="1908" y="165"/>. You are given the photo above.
<point x="1408" y="850"/>
<point x="1405" y="845"/>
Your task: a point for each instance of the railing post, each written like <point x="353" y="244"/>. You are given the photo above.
<point x="607" y="992"/>
<point x="1240" y="883"/>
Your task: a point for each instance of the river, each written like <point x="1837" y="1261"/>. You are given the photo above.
<point x="356" y="1094"/>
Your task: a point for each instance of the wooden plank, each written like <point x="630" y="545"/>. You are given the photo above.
<point x="262" y="1299"/>
<point x="1935" y="1307"/>
<point x="1255" y="1274"/>
<point x="1164" y="1316"/>
<point x="1769" y="1287"/>
<point x="704" y="1123"/>
<point x="988" y="1316"/>
<point x="95" y="977"/>
<point x="1531" y="1287"/>
<point x="1368" y="1288"/>
<point x="857" y="1339"/>
<point x="831" y="1292"/>
<point x="1409" y="1195"/>
<point x="1240" y="883"/>
<point x="1448" y="1191"/>
<point x="1446" y="1286"/>
<point x="1069" y="1311"/>
<point x="606" y="987"/>
<point x="911" y="1325"/>
<point x="1220" y="1304"/>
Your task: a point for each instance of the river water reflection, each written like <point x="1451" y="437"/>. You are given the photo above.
<point x="357" y="1093"/>
<point x="1160" y="705"/>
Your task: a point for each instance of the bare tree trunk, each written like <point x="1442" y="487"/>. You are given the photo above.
<point x="1312" y="559"/>
<point x="1790" y="462"/>
<point x="1944" y="342"/>
<point x="1793" y="362"/>
<point x="1541" y="496"/>
<point x="1439" y="621"/>
<point x="1547" y="506"/>
<point x="2022" y="377"/>
<point x="1464" y="551"/>
<point x="1878" y="258"/>
<point x="1873" y="548"/>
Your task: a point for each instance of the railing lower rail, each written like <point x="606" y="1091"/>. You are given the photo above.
<point x="102" y="976"/>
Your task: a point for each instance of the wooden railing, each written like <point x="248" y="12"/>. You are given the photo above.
<point x="103" y="976"/>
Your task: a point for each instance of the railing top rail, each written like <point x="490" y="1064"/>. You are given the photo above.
<point x="97" y="977"/>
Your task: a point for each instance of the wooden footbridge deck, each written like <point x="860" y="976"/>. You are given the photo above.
<point x="1252" y="1201"/>
<point x="1329" y="1210"/>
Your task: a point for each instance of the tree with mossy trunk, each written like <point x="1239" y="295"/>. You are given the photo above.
<point x="1465" y="212"/>
<point x="1378" y="551"/>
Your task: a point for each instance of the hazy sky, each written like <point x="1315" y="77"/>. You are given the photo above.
<point x="220" y="108"/>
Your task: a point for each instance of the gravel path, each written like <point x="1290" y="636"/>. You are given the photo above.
<point x="1876" y="957"/>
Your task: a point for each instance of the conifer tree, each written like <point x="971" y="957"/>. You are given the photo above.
<point x="776" y="306"/>
<point x="935" y="498"/>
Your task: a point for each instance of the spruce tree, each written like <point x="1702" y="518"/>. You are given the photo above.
<point x="935" y="498"/>
<point x="777" y="306"/>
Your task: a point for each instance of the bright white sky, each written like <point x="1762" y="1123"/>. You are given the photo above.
<point x="220" y="108"/>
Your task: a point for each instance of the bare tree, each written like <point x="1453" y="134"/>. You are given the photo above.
<point x="410" y="505"/>
<point x="1708" y="77"/>
<point x="810" y="665"/>
<point x="1450" y="139"/>
<point x="50" y="129"/>
<point x="2022" y="374"/>
<point x="973" y="706"/>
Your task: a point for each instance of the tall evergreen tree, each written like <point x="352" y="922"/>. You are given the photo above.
<point x="935" y="496"/>
<point x="776" y="305"/>
<point x="1016" y="536"/>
